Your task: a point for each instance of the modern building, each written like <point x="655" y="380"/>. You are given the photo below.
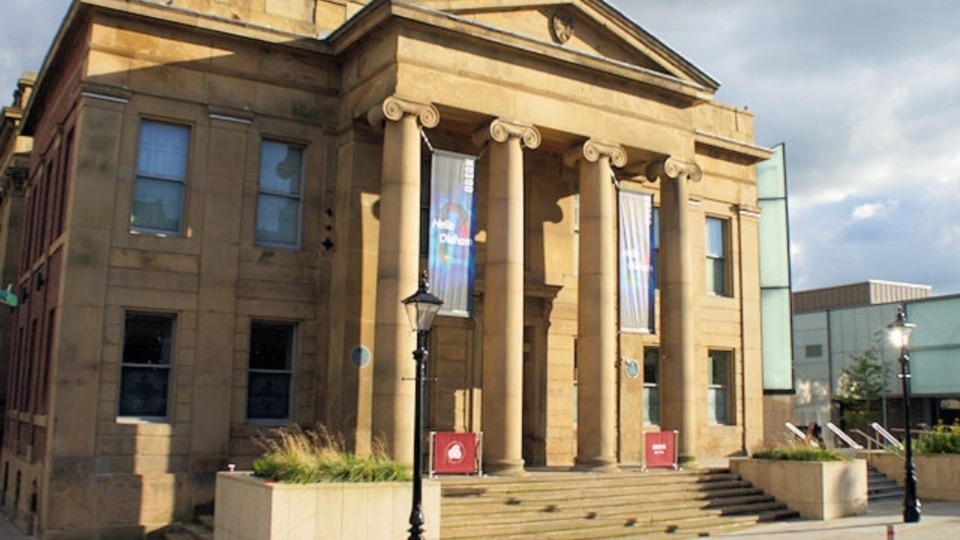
<point x="227" y="200"/>
<point x="835" y="324"/>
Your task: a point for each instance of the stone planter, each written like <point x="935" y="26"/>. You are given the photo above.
<point x="247" y="508"/>
<point x="938" y="475"/>
<point x="818" y="490"/>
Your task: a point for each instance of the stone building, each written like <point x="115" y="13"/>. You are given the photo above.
<point x="223" y="214"/>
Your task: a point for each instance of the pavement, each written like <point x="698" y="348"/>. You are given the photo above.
<point x="940" y="520"/>
<point x="9" y="532"/>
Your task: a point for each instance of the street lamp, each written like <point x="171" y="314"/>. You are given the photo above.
<point x="421" y="308"/>
<point x="900" y="331"/>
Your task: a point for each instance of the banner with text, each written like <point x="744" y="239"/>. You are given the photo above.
<point x="451" y="231"/>
<point x="636" y="264"/>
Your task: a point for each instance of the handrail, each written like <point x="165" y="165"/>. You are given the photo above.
<point x="871" y="441"/>
<point x="886" y="435"/>
<point x="843" y="436"/>
<point x="800" y="434"/>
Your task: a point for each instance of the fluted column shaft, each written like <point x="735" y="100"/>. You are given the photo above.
<point x="681" y="386"/>
<point x="503" y="298"/>
<point x="397" y="271"/>
<point x="597" y="306"/>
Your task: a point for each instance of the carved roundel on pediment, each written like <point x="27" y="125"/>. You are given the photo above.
<point x="561" y="25"/>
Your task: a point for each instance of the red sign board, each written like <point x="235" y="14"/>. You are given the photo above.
<point x="454" y="453"/>
<point x="660" y="449"/>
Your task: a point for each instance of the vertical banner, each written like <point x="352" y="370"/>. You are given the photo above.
<point x="451" y="231"/>
<point x="636" y="264"/>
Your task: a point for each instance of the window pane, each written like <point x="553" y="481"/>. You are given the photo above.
<point x="147" y="339"/>
<point x="269" y="378"/>
<point x="163" y="150"/>
<point x="651" y="390"/>
<point x="143" y="391"/>
<point x="651" y="366"/>
<point x="716" y="276"/>
<point x="280" y="166"/>
<point x="717" y="407"/>
<point x="719" y="368"/>
<point x="715" y="238"/>
<point x="718" y="391"/>
<point x="145" y="370"/>
<point x="157" y="205"/>
<point x="651" y="405"/>
<point x="278" y="220"/>
<point x="270" y="346"/>
<point x="268" y="396"/>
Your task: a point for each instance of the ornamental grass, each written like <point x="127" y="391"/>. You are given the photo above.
<point x="294" y="455"/>
<point x="800" y="452"/>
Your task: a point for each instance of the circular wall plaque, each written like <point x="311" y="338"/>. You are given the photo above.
<point x="632" y="368"/>
<point x="360" y="356"/>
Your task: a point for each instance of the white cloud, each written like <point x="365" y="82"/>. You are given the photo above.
<point x="867" y="211"/>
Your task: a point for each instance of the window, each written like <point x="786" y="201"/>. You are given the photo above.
<point x="145" y="368"/>
<point x="278" y="203"/>
<point x="717" y="254"/>
<point x="814" y="351"/>
<point x="161" y="174"/>
<point x="651" y="386"/>
<point x="718" y="387"/>
<point x="271" y="361"/>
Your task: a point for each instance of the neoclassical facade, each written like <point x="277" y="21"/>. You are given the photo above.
<point x="226" y="205"/>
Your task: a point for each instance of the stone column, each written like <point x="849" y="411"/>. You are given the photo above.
<point x="397" y="270"/>
<point x="597" y="305"/>
<point x="678" y="350"/>
<point x="502" y="410"/>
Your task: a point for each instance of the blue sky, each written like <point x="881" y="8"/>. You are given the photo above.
<point x="865" y="94"/>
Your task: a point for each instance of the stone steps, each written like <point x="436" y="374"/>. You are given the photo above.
<point x="580" y="506"/>
<point x="202" y="530"/>
<point x="881" y="488"/>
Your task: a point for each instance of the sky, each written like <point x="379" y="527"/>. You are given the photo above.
<point x="865" y="94"/>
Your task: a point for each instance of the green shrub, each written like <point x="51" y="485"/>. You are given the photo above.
<point x="800" y="452"/>
<point x="943" y="440"/>
<point x="294" y="455"/>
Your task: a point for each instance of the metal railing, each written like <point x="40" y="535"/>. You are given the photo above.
<point x="801" y="435"/>
<point x="844" y="437"/>
<point x="872" y="442"/>
<point x="886" y="435"/>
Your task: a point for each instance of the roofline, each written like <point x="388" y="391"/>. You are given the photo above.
<point x="379" y="12"/>
<point x="172" y="15"/>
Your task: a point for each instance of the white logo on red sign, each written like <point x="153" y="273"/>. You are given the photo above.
<point x="455" y="452"/>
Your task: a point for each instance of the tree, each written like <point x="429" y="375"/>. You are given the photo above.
<point x="862" y="385"/>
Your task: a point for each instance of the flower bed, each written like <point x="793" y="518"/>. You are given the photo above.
<point x="250" y="508"/>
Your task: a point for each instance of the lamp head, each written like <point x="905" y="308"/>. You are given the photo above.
<point x="422" y="307"/>
<point x="900" y="330"/>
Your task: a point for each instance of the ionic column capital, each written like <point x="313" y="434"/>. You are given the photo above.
<point x="593" y="150"/>
<point x="395" y="108"/>
<point x="501" y="131"/>
<point x="674" y="169"/>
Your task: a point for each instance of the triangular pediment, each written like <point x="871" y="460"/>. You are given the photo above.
<point x="590" y="27"/>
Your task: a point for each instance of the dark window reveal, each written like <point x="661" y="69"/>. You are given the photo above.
<point x="271" y="361"/>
